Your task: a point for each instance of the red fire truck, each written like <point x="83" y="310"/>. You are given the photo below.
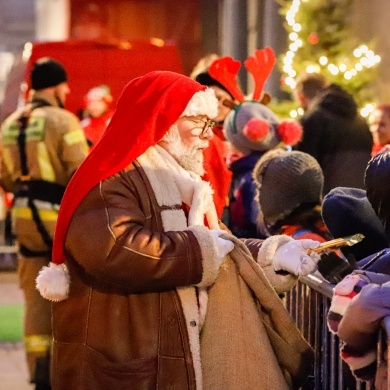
<point x="91" y="63"/>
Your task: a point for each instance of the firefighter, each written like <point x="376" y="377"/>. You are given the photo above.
<point x="42" y="146"/>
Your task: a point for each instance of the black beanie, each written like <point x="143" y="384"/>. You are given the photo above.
<point x="347" y="211"/>
<point x="205" y="79"/>
<point x="46" y="73"/>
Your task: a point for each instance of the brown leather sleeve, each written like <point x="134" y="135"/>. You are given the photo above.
<point x="116" y="235"/>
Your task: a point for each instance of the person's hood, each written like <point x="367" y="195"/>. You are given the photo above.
<point x="336" y="101"/>
<point x="377" y="182"/>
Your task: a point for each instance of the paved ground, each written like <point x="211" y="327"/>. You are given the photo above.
<point x="13" y="369"/>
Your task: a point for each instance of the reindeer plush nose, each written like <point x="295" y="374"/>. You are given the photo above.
<point x="256" y="129"/>
<point x="289" y="131"/>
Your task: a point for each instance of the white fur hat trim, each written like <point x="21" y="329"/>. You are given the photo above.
<point x="202" y="103"/>
<point x="53" y="282"/>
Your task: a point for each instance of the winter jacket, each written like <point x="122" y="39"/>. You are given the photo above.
<point x="338" y="137"/>
<point x="217" y="172"/>
<point x="243" y="208"/>
<point x="131" y="320"/>
<point x="359" y="326"/>
<point x="55" y="147"/>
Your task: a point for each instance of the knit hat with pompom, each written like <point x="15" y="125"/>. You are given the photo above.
<point x="287" y="180"/>
<point x="252" y="126"/>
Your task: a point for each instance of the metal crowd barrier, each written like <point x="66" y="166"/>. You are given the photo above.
<point x="308" y="303"/>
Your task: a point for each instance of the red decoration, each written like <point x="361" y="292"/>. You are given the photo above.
<point x="256" y="129"/>
<point x="290" y="132"/>
<point x="225" y="70"/>
<point x="260" y="65"/>
<point x="313" y="38"/>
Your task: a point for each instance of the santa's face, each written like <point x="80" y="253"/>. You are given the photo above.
<point x="187" y="139"/>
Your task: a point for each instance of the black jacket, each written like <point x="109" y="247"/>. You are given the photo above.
<point x="338" y="137"/>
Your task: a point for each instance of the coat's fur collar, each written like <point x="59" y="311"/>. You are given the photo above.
<point x="167" y="193"/>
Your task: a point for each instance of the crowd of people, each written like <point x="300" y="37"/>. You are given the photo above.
<point x="145" y="227"/>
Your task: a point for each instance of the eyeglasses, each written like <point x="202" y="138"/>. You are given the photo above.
<point x="205" y="125"/>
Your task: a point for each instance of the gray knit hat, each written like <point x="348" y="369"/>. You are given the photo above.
<point x="251" y="126"/>
<point x="287" y="180"/>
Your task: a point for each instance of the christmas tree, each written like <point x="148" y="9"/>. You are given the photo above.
<point x="319" y="41"/>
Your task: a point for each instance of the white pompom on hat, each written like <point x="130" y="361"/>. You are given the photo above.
<point x="202" y="103"/>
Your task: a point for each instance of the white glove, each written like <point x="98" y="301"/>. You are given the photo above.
<point x="224" y="247"/>
<point x="292" y="257"/>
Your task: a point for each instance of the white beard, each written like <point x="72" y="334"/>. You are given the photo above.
<point x="190" y="158"/>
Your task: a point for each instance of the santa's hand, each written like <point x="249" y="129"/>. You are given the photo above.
<point x="292" y="257"/>
<point x="224" y="247"/>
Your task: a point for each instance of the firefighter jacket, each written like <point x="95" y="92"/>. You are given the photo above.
<point x="55" y="146"/>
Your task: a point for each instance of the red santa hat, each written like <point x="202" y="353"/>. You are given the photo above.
<point x="146" y="109"/>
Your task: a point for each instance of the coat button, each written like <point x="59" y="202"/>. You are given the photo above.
<point x="193" y="323"/>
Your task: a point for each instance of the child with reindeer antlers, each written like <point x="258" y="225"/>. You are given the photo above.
<point x="253" y="129"/>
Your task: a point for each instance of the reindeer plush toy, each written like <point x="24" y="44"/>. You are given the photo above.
<point x="253" y="129"/>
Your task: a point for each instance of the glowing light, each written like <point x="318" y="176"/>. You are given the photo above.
<point x="27" y="51"/>
<point x="367" y="110"/>
<point x="157" y="42"/>
<point x="292" y="73"/>
<point x="323" y="60"/>
<point x="311" y="69"/>
<point x="297" y="27"/>
<point x="342" y="68"/>
<point x="333" y="69"/>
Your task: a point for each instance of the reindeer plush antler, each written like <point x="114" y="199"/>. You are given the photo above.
<point x="260" y="65"/>
<point x="225" y="70"/>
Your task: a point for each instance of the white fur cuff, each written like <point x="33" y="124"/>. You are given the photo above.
<point x="269" y="247"/>
<point x="280" y="282"/>
<point x="211" y="260"/>
<point x="53" y="282"/>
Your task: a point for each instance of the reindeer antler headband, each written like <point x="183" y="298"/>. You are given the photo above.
<point x="251" y="125"/>
<point x="260" y="65"/>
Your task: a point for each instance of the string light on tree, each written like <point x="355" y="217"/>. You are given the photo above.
<point x="318" y="41"/>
